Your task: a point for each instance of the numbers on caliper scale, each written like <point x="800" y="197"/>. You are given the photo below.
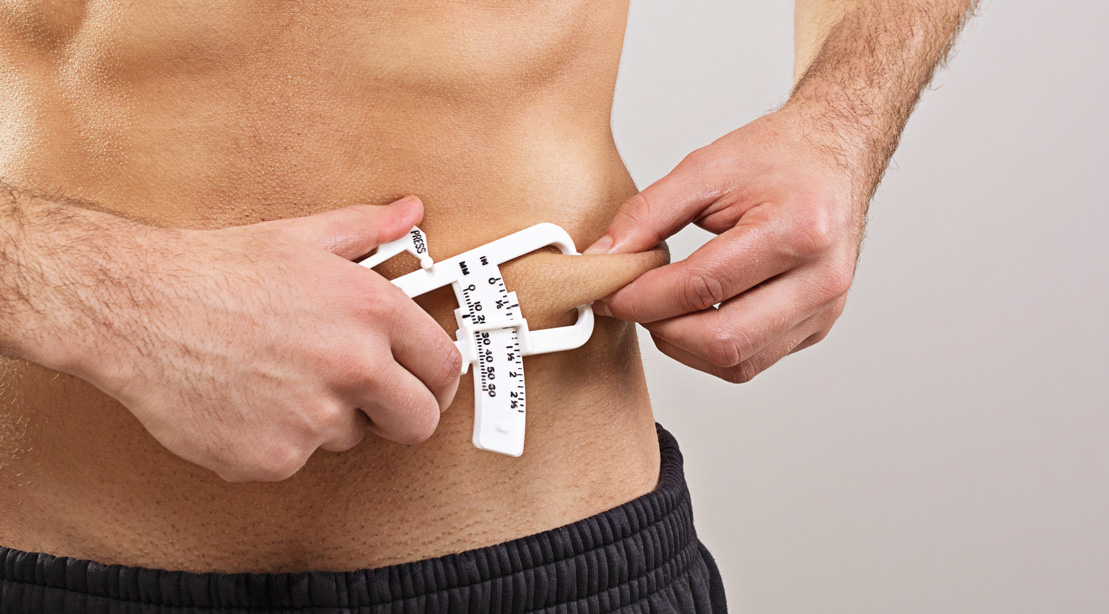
<point x="486" y="305"/>
<point x="511" y="369"/>
<point x="492" y="332"/>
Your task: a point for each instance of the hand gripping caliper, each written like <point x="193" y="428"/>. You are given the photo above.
<point x="492" y="331"/>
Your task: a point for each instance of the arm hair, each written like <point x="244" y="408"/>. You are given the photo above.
<point x="56" y="255"/>
<point x="860" y="68"/>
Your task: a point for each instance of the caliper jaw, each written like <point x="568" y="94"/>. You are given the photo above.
<point x="492" y="332"/>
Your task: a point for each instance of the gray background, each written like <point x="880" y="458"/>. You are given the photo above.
<point x="943" y="450"/>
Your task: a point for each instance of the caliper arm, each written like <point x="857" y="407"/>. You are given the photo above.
<point x="492" y="332"/>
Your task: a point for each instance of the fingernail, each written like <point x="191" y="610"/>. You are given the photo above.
<point x="601" y="309"/>
<point x="600" y="247"/>
<point x="405" y="200"/>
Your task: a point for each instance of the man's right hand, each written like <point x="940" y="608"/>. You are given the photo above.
<point x="245" y="349"/>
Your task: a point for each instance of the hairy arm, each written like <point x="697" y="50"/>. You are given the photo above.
<point x="244" y="349"/>
<point x="787" y="194"/>
<point x="859" y="69"/>
<point x="57" y="260"/>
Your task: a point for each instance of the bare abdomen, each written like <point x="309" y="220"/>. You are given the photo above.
<point x="495" y="114"/>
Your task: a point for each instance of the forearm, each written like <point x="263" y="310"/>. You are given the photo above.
<point x="860" y="68"/>
<point x="57" y="268"/>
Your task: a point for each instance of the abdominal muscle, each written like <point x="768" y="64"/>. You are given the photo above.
<point x="495" y="114"/>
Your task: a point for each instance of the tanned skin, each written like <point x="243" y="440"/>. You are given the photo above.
<point x="200" y="377"/>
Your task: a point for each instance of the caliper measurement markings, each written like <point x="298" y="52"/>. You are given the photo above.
<point x="492" y="332"/>
<point x="516" y="373"/>
<point x="501" y="372"/>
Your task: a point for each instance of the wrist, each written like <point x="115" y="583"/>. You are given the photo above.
<point x="108" y="286"/>
<point x="856" y="138"/>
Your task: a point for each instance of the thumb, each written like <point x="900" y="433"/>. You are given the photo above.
<point x="660" y="210"/>
<point x="354" y="231"/>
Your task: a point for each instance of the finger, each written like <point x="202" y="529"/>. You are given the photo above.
<point x="400" y="407"/>
<point x="748" y="369"/>
<point x="730" y="374"/>
<point x="354" y="231"/>
<point x="660" y="210"/>
<point x="787" y="344"/>
<point x="348" y="433"/>
<point x="827" y="319"/>
<point x="744" y="325"/>
<point x="726" y="266"/>
<point x="812" y="340"/>
<point x="420" y="345"/>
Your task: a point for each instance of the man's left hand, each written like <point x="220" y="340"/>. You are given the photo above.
<point x="789" y="215"/>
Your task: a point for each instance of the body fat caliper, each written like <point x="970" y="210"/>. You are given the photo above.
<point x="492" y="332"/>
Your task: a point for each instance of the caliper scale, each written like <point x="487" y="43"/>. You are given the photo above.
<point x="492" y="334"/>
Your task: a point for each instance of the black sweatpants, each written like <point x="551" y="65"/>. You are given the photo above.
<point x="643" y="556"/>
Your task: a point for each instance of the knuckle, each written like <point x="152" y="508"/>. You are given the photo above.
<point x="728" y="347"/>
<point x="323" y="417"/>
<point x="837" y="309"/>
<point x="741" y="373"/>
<point x="225" y="459"/>
<point x="276" y="462"/>
<point x="839" y="282"/>
<point x="813" y="234"/>
<point x="702" y="291"/>
<point x="830" y="285"/>
<point x="364" y="216"/>
<point x="421" y="425"/>
<point x="351" y="372"/>
<point x="818" y="337"/>
<point x="637" y="213"/>
<point x="367" y="214"/>
<point x="346" y="440"/>
<point x="810" y="341"/>
<point x="260" y="461"/>
<point x="643" y="219"/>
<point x="450" y="369"/>
<point x="698" y="159"/>
<point x="356" y="437"/>
<point x="374" y="301"/>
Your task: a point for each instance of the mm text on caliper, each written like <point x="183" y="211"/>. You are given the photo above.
<point x="492" y="332"/>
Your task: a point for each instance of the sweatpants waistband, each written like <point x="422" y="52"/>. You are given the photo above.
<point x="607" y="562"/>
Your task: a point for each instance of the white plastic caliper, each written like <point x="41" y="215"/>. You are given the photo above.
<point x="492" y="331"/>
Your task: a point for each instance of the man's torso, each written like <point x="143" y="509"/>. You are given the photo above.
<point x="223" y="113"/>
